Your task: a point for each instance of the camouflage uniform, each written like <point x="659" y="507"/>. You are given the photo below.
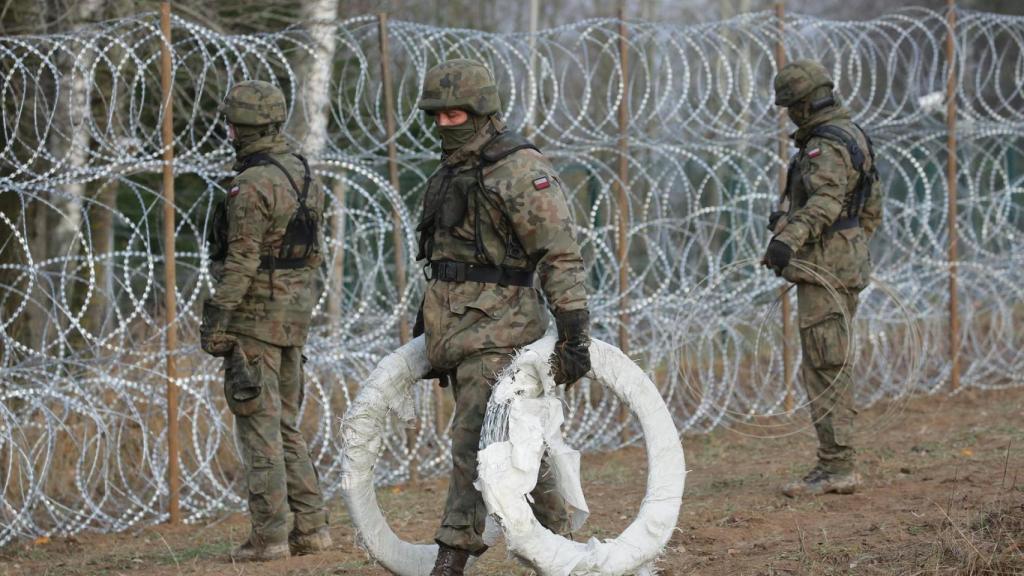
<point x="259" y="315"/>
<point x="495" y="205"/>
<point x="834" y="208"/>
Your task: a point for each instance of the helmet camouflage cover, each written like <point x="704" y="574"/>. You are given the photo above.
<point x="460" y="84"/>
<point x="798" y="79"/>
<point x="254" y="103"/>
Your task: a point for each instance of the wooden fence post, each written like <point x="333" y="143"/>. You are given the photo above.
<point x="389" y="119"/>
<point x="787" y="324"/>
<point x="622" y="199"/>
<point x="397" y="236"/>
<point x="621" y="190"/>
<point x="170" y="280"/>
<point x="951" y="181"/>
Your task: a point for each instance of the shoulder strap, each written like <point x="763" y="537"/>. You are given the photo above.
<point x="504" y="145"/>
<point x="265" y="159"/>
<point x="866" y="178"/>
<point x="500" y="147"/>
<point x="835" y="133"/>
<point x="253" y="160"/>
<point x="306" y="179"/>
<point x="871" y="145"/>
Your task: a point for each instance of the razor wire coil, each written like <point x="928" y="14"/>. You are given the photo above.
<point x="82" y="429"/>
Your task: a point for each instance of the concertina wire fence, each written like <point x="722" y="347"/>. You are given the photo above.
<point x="83" y="440"/>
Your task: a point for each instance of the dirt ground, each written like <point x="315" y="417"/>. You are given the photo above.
<point x="944" y="495"/>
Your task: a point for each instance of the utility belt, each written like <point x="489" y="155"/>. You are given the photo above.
<point x="450" y="271"/>
<point x="845" y="224"/>
<point x="270" y="262"/>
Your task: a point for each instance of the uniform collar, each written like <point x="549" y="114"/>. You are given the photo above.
<point x="830" y="114"/>
<point x="493" y="127"/>
<point x="270" y="144"/>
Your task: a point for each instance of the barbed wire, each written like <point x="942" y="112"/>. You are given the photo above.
<point x="82" y="416"/>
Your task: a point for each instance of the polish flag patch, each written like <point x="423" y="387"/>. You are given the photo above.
<point x="814" y="153"/>
<point x="234" y="191"/>
<point x="541" y="183"/>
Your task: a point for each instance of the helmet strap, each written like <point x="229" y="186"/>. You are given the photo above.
<point x="822" y="103"/>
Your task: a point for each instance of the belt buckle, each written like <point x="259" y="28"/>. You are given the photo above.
<point x="448" y="271"/>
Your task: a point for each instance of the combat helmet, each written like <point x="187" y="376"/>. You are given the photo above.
<point x="254" y="103"/>
<point x="798" y="80"/>
<point x="460" y="84"/>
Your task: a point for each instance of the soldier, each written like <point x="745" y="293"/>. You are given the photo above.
<point x="494" y="215"/>
<point x="834" y="207"/>
<point x="264" y="247"/>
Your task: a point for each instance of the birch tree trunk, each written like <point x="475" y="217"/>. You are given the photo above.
<point x="103" y="207"/>
<point x="71" y="139"/>
<point x="309" y="127"/>
<point x="309" y="123"/>
<point x="52" y="229"/>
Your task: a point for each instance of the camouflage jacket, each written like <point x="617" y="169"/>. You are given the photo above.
<point x="259" y="205"/>
<point x="513" y="214"/>
<point x="819" y="194"/>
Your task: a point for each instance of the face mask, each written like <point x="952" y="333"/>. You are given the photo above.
<point x="455" y="137"/>
<point x="242" y="136"/>
<point x="821" y="99"/>
<point x="798" y="114"/>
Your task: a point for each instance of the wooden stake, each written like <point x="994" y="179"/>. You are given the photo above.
<point x="389" y="119"/>
<point x="622" y="199"/>
<point x="397" y="237"/>
<point x="951" y="180"/>
<point x="621" y="190"/>
<point x="787" y="324"/>
<point x="170" y="279"/>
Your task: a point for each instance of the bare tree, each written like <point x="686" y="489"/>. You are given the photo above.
<point x="70" y="137"/>
<point x="309" y="123"/>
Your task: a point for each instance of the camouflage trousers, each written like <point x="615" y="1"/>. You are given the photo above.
<point x="278" y="471"/>
<point x="826" y="372"/>
<point x="465" y="513"/>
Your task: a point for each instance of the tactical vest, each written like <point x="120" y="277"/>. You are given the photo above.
<point x="446" y="206"/>
<point x="865" y="180"/>
<point x="301" y="236"/>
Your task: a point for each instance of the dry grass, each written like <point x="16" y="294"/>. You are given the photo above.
<point x="941" y="498"/>
<point x="991" y="545"/>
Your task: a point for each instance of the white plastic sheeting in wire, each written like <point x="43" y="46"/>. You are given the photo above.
<point x="524" y="411"/>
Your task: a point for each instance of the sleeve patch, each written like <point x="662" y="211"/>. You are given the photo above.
<point x="541" y="183"/>
<point x="814" y="153"/>
<point x="234" y="191"/>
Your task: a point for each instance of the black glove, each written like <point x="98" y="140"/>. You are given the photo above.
<point x="773" y="219"/>
<point x="571" y="358"/>
<point x="212" y="336"/>
<point x="777" y="256"/>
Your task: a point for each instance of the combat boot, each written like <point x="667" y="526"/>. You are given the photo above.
<point x="316" y="541"/>
<point x="250" y="552"/>
<point x="818" y="481"/>
<point x="450" y="562"/>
